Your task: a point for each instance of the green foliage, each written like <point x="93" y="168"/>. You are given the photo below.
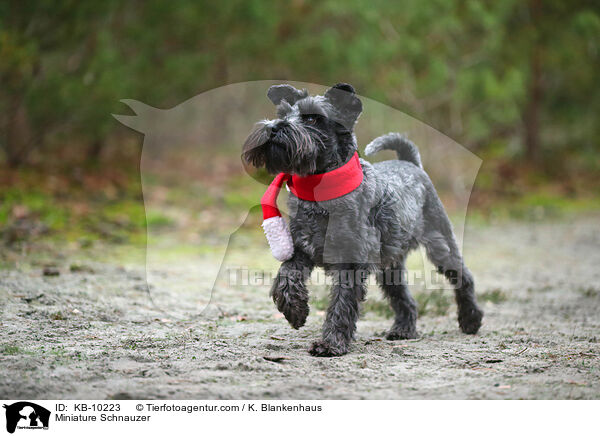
<point x="465" y="67"/>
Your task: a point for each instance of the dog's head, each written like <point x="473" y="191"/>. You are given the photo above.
<point x="312" y="134"/>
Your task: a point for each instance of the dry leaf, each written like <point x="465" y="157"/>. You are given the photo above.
<point x="276" y="359"/>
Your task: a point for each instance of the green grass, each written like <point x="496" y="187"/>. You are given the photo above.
<point x="589" y="292"/>
<point x="37" y="203"/>
<point x="57" y="316"/>
<point x="319" y="302"/>
<point x="495" y="296"/>
<point x="434" y="303"/>
<point x="242" y="194"/>
<point x="536" y="206"/>
<point x="114" y="220"/>
<point x="379" y="307"/>
<point x="11" y="350"/>
<point x="156" y="219"/>
<point x="14" y="350"/>
<point x="126" y="213"/>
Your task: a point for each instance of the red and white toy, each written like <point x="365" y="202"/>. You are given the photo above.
<point x="276" y="229"/>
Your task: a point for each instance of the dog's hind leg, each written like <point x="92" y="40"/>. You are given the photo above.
<point x="442" y="250"/>
<point x="347" y="292"/>
<point x="289" y="290"/>
<point x="392" y="282"/>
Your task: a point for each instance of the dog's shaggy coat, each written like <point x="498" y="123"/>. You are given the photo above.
<point x="369" y="230"/>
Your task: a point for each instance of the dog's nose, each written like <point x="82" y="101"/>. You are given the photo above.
<point x="274" y="129"/>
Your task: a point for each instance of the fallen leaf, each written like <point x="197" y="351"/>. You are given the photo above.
<point x="276" y="359"/>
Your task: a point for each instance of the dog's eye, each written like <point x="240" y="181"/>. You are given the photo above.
<point x="309" y="119"/>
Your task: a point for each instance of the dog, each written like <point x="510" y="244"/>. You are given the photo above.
<point x="369" y="229"/>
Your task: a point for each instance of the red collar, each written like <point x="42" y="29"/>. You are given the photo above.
<point x="316" y="187"/>
<point x="330" y="185"/>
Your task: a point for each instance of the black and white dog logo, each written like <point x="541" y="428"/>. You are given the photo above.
<point x="26" y="415"/>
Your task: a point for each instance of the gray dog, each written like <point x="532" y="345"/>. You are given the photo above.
<point x="369" y="229"/>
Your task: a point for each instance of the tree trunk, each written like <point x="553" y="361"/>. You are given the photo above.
<point x="18" y="133"/>
<point x="95" y="150"/>
<point x="531" y="116"/>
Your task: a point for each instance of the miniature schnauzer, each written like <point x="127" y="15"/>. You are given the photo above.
<point x="370" y="229"/>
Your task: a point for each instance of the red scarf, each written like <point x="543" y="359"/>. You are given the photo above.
<point x="316" y="187"/>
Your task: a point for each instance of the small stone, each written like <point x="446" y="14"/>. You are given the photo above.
<point x="51" y="271"/>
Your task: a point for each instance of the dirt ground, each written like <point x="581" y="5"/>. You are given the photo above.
<point x="92" y="332"/>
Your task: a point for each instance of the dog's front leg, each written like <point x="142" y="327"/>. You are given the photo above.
<point x="289" y="289"/>
<point x="348" y="291"/>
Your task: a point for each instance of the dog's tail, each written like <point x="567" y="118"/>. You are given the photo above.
<point x="403" y="146"/>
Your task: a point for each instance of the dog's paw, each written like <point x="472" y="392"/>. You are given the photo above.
<point x="469" y="320"/>
<point x="325" y="349"/>
<point x="399" y="334"/>
<point x="297" y="314"/>
<point x="295" y="310"/>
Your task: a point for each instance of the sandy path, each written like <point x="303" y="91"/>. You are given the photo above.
<point x="96" y="335"/>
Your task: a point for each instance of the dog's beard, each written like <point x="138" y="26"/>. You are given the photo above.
<point x="293" y="149"/>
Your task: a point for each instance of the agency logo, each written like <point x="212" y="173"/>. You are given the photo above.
<point x="26" y="415"/>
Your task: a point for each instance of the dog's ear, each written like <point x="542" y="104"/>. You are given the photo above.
<point x="279" y="93"/>
<point x="347" y="105"/>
